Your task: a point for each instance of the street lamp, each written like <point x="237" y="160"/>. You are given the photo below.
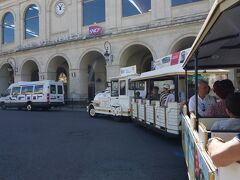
<point x="108" y="52"/>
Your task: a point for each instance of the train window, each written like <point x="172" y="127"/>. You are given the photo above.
<point x="160" y="84"/>
<point x="138" y="86"/>
<point x="122" y="87"/>
<point x="114" y="89"/>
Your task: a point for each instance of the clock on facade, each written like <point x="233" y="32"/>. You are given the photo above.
<point x="60" y="8"/>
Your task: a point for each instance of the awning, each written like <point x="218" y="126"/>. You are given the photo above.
<point x="218" y="42"/>
<point x="172" y="71"/>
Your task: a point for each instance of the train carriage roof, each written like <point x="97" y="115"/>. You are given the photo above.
<point x="171" y="71"/>
<point x="218" y="42"/>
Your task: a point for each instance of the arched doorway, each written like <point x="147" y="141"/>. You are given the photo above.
<point x="138" y="55"/>
<point x="183" y="44"/>
<point x="30" y="71"/>
<point x="58" y="70"/>
<point x="6" y="77"/>
<point x="92" y="74"/>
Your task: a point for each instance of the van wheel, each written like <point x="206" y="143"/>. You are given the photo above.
<point x="3" y="106"/>
<point x="29" y="106"/>
<point x="92" y="112"/>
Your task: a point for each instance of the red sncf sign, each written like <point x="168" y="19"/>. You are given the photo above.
<point x="95" y="30"/>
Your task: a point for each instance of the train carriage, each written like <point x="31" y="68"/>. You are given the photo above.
<point x="216" y="46"/>
<point x="167" y="118"/>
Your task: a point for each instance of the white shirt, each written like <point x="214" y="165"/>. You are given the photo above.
<point x="203" y="104"/>
<point x="170" y="98"/>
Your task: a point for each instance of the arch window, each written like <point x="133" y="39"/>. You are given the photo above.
<point x="93" y="11"/>
<point x="180" y="2"/>
<point x="32" y="22"/>
<point x="8" y="28"/>
<point x="135" y="7"/>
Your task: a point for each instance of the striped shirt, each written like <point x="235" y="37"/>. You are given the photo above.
<point x="163" y="97"/>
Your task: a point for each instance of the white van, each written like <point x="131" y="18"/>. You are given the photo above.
<point x="38" y="94"/>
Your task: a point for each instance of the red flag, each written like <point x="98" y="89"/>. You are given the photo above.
<point x="175" y="58"/>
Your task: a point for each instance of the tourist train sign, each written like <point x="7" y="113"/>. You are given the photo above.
<point x="127" y="71"/>
<point x="172" y="59"/>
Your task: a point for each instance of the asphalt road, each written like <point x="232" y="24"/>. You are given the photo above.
<point x="71" y="146"/>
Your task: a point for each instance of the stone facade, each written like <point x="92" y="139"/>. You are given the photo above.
<point x="64" y="45"/>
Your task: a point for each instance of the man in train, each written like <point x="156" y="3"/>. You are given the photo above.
<point x="204" y="99"/>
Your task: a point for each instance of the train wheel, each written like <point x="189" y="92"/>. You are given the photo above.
<point x="92" y="112"/>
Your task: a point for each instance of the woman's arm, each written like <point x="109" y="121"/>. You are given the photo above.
<point x="224" y="154"/>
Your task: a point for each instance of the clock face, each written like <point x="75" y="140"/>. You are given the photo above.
<point x="60" y="8"/>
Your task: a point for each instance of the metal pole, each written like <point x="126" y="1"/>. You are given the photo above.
<point x="177" y="89"/>
<point x="134" y="91"/>
<point x="186" y="86"/>
<point x="196" y="89"/>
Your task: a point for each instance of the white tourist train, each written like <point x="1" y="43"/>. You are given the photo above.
<point x="116" y="99"/>
<point x="167" y="117"/>
<point x="38" y="94"/>
<point x="216" y="46"/>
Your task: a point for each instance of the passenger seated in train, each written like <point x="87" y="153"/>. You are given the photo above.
<point x="164" y="94"/>
<point x="204" y="99"/>
<point x="154" y="94"/>
<point x="222" y="89"/>
<point x="137" y="95"/>
<point x="232" y="108"/>
<point x="171" y="96"/>
<point x="224" y="153"/>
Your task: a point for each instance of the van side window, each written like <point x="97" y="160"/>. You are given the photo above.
<point x="26" y="90"/>
<point x="16" y="91"/>
<point x="60" y="90"/>
<point x="38" y="89"/>
<point x="53" y="89"/>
